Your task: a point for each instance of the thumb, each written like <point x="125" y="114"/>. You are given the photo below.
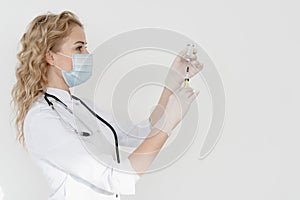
<point x="181" y="55"/>
<point x="183" y="52"/>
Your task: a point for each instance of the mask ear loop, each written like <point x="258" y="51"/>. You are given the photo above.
<point x="59" y="53"/>
<point x="58" y="67"/>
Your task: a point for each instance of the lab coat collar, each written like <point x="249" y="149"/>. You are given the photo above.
<point x="63" y="95"/>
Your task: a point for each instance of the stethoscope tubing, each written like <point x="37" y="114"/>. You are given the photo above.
<point x="46" y="95"/>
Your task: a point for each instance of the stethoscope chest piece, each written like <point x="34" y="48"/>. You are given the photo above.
<point x="86" y="134"/>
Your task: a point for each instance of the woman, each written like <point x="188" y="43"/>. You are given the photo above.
<point x="50" y="61"/>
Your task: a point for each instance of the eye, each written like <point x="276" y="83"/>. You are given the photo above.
<point x="79" y="48"/>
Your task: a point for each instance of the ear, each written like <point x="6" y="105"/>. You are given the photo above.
<point x="50" y="57"/>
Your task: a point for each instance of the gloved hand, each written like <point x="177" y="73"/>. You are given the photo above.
<point x="177" y="72"/>
<point x="178" y="104"/>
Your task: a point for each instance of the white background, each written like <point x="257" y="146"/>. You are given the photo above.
<point x="255" y="46"/>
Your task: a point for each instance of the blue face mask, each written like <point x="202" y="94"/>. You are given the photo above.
<point x="82" y="68"/>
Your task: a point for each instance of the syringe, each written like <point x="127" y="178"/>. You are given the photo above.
<point x="188" y="59"/>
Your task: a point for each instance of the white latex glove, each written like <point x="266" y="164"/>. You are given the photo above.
<point x="177" y="72"/>
<point x="178" y="104"/>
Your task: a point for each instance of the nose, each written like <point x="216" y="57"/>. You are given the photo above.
<point x="86" y="51"/>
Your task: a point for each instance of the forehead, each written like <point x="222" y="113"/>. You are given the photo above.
<point x="76" y="34"/>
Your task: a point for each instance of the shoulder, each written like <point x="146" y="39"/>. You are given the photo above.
<point x="43" y="128"/>
<point x="37" y="109"/>
<point x="40" y="118"/>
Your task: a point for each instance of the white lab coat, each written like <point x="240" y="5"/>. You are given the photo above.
<point x="62" y="154"/>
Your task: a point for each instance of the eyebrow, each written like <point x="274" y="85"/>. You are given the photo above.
<point x="80" y="42"/>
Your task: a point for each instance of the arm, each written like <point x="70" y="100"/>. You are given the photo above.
<point x="161" y="106"/>
<point x="176" y="107"/>
<point x="132" y="135"/>
<point x="52" y="143"/>
<point x="144" y="155"/>
<point x="155" y="140"/>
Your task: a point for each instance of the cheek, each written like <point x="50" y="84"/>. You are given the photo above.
<point x="69" y="65"/>
<point x="65" y="64"/>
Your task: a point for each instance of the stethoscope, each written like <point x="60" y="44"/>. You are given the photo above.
<point x="46" y="95"/>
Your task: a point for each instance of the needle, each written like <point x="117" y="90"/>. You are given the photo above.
<point x="186" y="79"/>
<point x="188" y="59"/>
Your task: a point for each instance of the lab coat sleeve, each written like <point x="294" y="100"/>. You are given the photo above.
<point x="49" y="140"/>
<point x="129" y="134"/>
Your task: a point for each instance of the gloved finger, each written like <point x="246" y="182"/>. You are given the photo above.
<point x="197" y="65"/>
<point x="181" y="89"/>
<point x="180" y="56"/>
<point x="195" y="50"/>
<point x="185" y="94"/>
<point x="179" y="93"/>
<point x="178" y="90"/>
<point x="181" y="97"/>
<point x="182" y="53"/>
<point x="193" y="57"/>
<point x="187" y="90"/>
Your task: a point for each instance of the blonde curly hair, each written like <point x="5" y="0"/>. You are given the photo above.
<point x="44" y="33"/>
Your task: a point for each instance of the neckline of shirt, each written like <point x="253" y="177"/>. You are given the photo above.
<point x="63" y="95"/>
